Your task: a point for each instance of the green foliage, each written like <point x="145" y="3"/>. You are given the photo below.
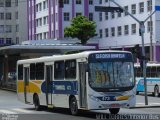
<point x="81" y="28"/>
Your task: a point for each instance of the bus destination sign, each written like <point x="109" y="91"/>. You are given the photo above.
<point x="110" y="56"/>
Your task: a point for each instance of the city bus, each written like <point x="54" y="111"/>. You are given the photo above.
<point x="152" y="78"/>
<point x="89" y="80"/>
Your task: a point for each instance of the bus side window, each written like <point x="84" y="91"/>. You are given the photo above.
<point x="148" y="72"/>
<point x="20" y="72"/>
<point x="39" y="71"/>
<point x="59" y="70"/>
<point x="70" y="69"/>
<point x="139" y="72"/>
<point x="158" y="71"/>
<point x="153" y="71"/>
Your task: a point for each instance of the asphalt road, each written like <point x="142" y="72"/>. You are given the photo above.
<point x="12" y="109"/>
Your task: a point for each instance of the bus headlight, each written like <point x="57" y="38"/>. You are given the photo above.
<point x="94" y="98"/>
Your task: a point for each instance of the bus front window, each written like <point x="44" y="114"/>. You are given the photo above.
<point x="111" y="74"/>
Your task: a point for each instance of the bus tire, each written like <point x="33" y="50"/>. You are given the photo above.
<point x="156" y="91"/>
<point x="36" y="102"/>
<point x="137" y="93"/>
<point x="114" y="110"/>
<point x="73" y="106"/>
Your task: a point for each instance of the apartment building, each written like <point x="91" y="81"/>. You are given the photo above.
<point x="121" y="31"/>
<point x="10" y="33"/>
<point x="115" y="30"/>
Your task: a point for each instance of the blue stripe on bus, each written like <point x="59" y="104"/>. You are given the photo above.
<point x="61" y="87"/>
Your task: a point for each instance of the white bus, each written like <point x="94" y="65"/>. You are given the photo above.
<point x="90" y="80"/>
<point x="152" y="78"/>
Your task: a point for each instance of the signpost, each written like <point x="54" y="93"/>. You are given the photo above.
<point x="142" y="31"/>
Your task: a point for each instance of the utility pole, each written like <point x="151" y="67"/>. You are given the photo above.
<point x="151" y="32"/>
<point x="142" y="31"/>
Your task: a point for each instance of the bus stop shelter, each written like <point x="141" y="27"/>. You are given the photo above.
<point x="9" y="55"/>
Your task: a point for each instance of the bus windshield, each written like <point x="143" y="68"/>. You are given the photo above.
<point x="111" y="75"/>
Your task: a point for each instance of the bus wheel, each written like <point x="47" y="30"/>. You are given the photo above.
<point x="114" y="110"/>
<point x="156" y="91"/>
<point x="36" y="102"/>
<point x="73" y="106"/>
<point x="137" y="93"/>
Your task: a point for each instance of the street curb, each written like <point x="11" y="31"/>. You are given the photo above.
<point x="146" y="106"/>
<point x="8" y="89"/>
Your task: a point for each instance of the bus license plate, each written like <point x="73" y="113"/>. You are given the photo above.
<point x="115" y="105"/>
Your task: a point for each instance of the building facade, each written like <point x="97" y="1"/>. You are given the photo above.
<point x="46" y="20"/>
<point x="121" y="31"/>
<point x="9" y="22"/>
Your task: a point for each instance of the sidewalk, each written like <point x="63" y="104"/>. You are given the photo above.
<point x="150" y="105"/>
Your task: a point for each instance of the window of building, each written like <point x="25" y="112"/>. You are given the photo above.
<point x="59" y="70"/>
<point x="107" y="32"/>
<point x="150" y="26"/>
<point x="37" y="8"/>
<point x="8" y="28"/>
<point x="106" y="0"/>
<point x="70" y="67"/>
<point x="44" y="5"/>
<point x="119" y="14"/>
<point x="78" y="13"/>
<point x="16" y="2"/>
<point x="1" y="28"/>
<point x="112" y="15"/>
<point x="100" y="16"/>
<point x="8" y="41"/>
<point x="1" y="3"/>
<point x="40" y="21"/>
<point x="112" y="31"/>
<point x="45" y="35"/>
<point x="126" y="30"/>
<point x="133" y="28"/>
<point x="126" y="9"/>
<point x="1" y="16"/>
<point x="106" y="16"/>
<point x="133" y="9"/>
<point x="32" y="71"/>
<point x="78" y="2"/>
<point x="17" y="28"/>
<point x="66" y="16"/>
<point x="16" y="15"/>
<point x="141" y="7"/>
<point x="8" y="16"/>
<point x="90" y="2"/>
<point x="90" y="16"/>
<point x="8" y="3"/>
<point x="40" y="6"/>
<point x="66" y="1"/>
<point x="1" y="41"/>
<point x="45" y="20"/>
<point x="20" y="72"/>
<point x="100" y="1"/>
<point x="100" y="33"/>
<point x="17" y="40"/>
<point x="149" y="5"/>
<point x="39" y="71"/>
<point x="119" y="30"/>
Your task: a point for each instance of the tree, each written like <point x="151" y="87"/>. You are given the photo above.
<point x="81" y="28"/>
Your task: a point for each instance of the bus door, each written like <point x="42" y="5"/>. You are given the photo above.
<point x="26" y="84"/>
<point x="82" y="80"/>
<point x="49" y="84"/>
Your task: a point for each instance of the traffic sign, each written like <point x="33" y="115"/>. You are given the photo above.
<point x="108" y="9"/>
<point x="157" y="8"/>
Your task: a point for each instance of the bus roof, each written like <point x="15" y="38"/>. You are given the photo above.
<point x="65" y="57"/>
